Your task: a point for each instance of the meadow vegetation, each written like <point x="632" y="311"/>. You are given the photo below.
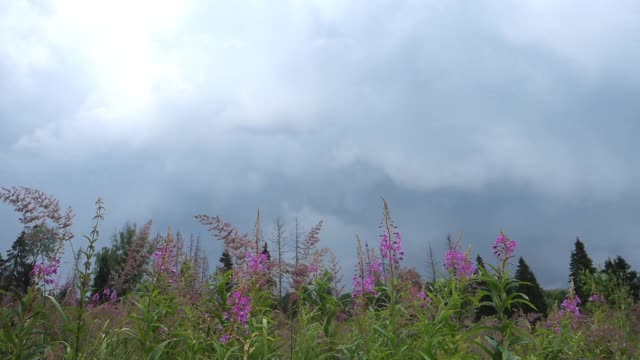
<point x="155" y="297"/>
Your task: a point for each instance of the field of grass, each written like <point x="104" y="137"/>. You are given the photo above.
<point x="257" y="307"/>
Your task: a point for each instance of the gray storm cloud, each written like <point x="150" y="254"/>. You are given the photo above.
<point x="491" y="114"/>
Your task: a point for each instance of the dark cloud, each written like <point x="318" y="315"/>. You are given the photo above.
<point x="470" y="117"/>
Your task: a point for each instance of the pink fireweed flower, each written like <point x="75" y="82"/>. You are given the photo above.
<point x="503" y="247"/>
<point x="257" y="264"/>
<point x="597" y="298"/>
<point x="224" y="339"/>
<point x="364" y="286"/>
<point x="46" y="272"/>
<point x="163" y="260"/>
<point x="240" y="308"/>
<point x="375" y="268"/>
<point x="107" y="295"/>
<point x="425" y="299"/>
<point x="366" y="283"/>
<point x="392" y="249"/>
<point x="313" y="268"/>
<point x="459" y="263"/>
<point x="570" y="306"/>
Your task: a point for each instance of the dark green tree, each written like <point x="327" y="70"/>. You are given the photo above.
<point x="38" y="244"/>
<point x="580" y="263"/>
<point x="531" y="288"/>
<point x="107" y="269"/>
<point x="265" y="251"/>
<point x="121" y="266"/>
<point x="2" y="262"/>
<point x="227" y="262"/>
<point x="109" y="260"/>
<point x="18" y="265"/>
<point x="621" y="270"/>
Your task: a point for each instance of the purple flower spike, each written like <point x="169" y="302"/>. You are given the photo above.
<point x="46" y="272"/>
<point x="392" y="249"/>
<point x="460" y="263"/>
<point x="597" y="298"/>
<point x="503" y="247"/>
<point x="570" y="306"/>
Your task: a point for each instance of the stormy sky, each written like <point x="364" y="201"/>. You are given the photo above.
<point x="466" y="116"/>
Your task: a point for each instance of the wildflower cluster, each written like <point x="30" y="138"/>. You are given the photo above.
<point x="239" y="313"/>
<point x="163" y="260"/>
<point x="459" y="263"/>
<point x="257" y="264"/>
<point x="570" y="306"/>
<point x="46" y="272"/>
<point x="365" y="282"/>
<point x="597" y="298"/>
<point x="503" y="247"/>
<point x="313" y="268"/>
<point x="424" y="298"/>
<point x="105" y="296"/>
<point x="391" y="249"/>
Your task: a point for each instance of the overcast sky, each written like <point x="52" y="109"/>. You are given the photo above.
<point x="465" y="115"/>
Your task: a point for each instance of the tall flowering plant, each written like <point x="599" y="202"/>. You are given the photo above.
<point x="45" y="273"/>
<point x="390" y="247"/>
<point x="570" y="305"/>
<point x="250" y="278"/>
<point x="500" y="289"/>
<point x="369" y="271"/>
<point x="503" y="250"/>
<point x="459" y="263"/>
<point x="163" y="262"/>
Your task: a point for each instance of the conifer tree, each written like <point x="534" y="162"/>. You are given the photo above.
<point x="33" y="245"/>
<point x="621" y="271"/>
<point x="265" y="251"/>
<point x="109" y="260"/>
<point x="2" y="262"/>
<point x="580" y="263"/>
<point x="531" y="288"/>
<point x="227" y="262"/>
<point x="18" y="266"/>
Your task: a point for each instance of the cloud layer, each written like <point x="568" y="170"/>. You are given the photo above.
<point x="519" y="116"/>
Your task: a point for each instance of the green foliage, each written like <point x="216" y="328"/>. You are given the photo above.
<point x="172" y="316"/>
<point x="501" y="289"/>
<point x="226" y="261"/>
<point x="553" y="297"/>
<point x="110" y="260"/>
<point x="84" y="278"/>
<point x="579" y="264"/>
<point x="36" y="244"/>
<point x="620" y="270"/>
<point x="529" y="286"/>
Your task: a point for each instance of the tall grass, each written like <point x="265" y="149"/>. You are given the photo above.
<point x="239" y="313"/>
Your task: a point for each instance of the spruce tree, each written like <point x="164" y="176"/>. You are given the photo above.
<point x="109" y="263"/>
<point x="580" y="263"/>
<point x="531" y="288"/>
<point x="227" y="262"/>
<point x="18" y="265"/>
<point x="34" y="245"/>
<point x="621" y="271"/>
<point x="265" y="251"/>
